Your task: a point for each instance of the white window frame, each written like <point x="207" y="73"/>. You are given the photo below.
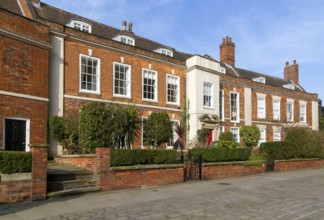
<point x="276" y="134"/>
<point x="27" y="149"/>
<point x="261" y="106"/>
<point x="302" y="112"/>
<point x="259" y="79"/>
<point x="142" y="137"/>
<point x="221" y="105"/>
<point x="263" y="135"/>
<point x="237" y="107"/>
<point x="97" y="91"/>
<point x="276" y="109"/>
<point x="128" y="81"/>
<point x="125" y="39"/>
<point x="177" y="90"/>
<point x="236" y="132"/>
<point x="80" y="25"/>
<point x="289" y="86"/>
<point x="208" y="93"/>
<point x="174" y="134"/>
<point x="290" y="113"/>
<point x="164" y="51"/>
<point x="155" y="89"/>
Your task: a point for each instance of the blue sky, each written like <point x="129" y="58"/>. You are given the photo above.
<point x="267" y="33"/>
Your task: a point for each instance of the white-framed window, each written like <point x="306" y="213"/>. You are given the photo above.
<point x="234" y="101"/>
<point x="80" y="25"/>
<point x="276" y="135"/>
<point x="276" y="109"/>
<point x="259" y="79"/>
<point x="174" y="134"/>
<point x="89" y="73"/>
<point x="164" y="51"/>
<point x="261" y="107"/>
<point x="125" y="39"/>
<point x="122" y="80"/>
<point x="149" y="82"/>
<point x="221" y="129"/>
<point x="236" y="134"/>
<point x="290" y="111"/>
<point x="263" y="137"/>
<point x="16" y="134"/>
<point x="289" y="86"/>
<point x="208" y="95"/>
<point x="302" y="112"/>
<point x="221" y="105"/>
<point x="144" y="131"/>
<point x="173" y="89"/>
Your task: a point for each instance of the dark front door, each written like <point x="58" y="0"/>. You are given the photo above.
<point x="15" y="135"/>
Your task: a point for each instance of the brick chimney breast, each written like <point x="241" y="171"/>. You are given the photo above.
<point x="227" y="51"/>
<point x="291" y="72"/>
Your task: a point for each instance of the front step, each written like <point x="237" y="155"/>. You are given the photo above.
<point x="70" y="192"/>
<point x="66" y="180"/>
<point x="53" y="186"/>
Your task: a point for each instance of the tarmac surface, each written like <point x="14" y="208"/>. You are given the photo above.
<point x="286" y="195"/>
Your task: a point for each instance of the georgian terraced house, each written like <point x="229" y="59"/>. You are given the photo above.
<point x="53" y="62"/>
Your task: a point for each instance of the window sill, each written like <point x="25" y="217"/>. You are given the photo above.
<point x="89" y="92"/>
<point x="209" y="108"/>
<point x="149" y="100"/>
<point x="173" y="103"/>
<point x="122" y="96"/>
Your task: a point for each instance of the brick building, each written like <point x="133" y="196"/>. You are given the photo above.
<point x="90" y="61"/>
<point x="24" y="79"/>
<point x="227" y="97"/>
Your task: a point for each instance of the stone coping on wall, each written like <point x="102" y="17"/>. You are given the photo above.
<point x="296" y="160"/>
<point x="147" y="167"/>
<point x="244" y="163"/>
<point x="76" y="156"/>
<point x="15" y="177"/>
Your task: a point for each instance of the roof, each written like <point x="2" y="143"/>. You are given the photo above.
<point x="248" y="74"/>
<point x="62" y="17"/>
<point x="11" y="5"/>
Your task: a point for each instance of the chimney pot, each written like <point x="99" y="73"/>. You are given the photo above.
<point x="124" y="25"/>
<point x="294" y="61"/>
<point x="287" y="63"/>
<point x="130" y="26"/>
<point x="223" y="40"/>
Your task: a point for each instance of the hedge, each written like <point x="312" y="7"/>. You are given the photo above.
<point x="220" y="154"/>
<point x="283" y="150"/>
<point x="15" y="162"/>
<point x="137" y="157"/>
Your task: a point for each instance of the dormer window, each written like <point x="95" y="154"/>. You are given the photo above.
<point x="289" y="86"/>
<point x="222" y="70"/>
<point x="259" y="80"/>
<point x="164" y="51"/>
<point x="125" y="39"/>
<point x="80" y="25"/>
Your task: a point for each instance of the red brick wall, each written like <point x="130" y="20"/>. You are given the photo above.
<point x="145" y="177"/>
<point x="219" y="171"/>
<point x="297" y="164"/>
<point x="15" y="191"/>
<point x="87" y="163"/>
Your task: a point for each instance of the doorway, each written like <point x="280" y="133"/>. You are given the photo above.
<point x="16" y="134"/>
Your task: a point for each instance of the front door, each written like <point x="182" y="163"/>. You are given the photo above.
<point x="15" y="135"/>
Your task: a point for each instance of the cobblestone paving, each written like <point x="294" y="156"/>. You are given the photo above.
<point x="288" y="195"/>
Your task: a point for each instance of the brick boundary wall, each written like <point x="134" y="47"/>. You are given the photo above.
<point x="285" y="165"/>
<point x="15" y="191"/>
<point x="211" y="171"/>
<point x="86" y="161"/>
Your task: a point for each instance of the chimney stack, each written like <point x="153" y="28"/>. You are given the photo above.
<point x="130" y="26"/>
<point x="227" y="51"/>
<point x="124" y="25"/>
<point x="291" y="72"/>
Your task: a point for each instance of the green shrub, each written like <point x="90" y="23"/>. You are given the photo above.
<point x="15" y="162"/>
<point x="137" y="157"/>
<point x="220" y="154"/>
<point x="250" y="135"/>
<point x="227" y="144"/>
<point x="226" y="136"/>
<point x="159" y="128"/>
<point x="278" y="150"/>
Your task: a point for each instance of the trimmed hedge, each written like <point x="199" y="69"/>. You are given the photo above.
<point x="220" y="154"/>
<point x="283" y="150"/>
<point x="137" y="157"/>
<point x="15" y="162"/>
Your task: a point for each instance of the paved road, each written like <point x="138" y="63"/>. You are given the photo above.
<point x="287" y="195"/>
